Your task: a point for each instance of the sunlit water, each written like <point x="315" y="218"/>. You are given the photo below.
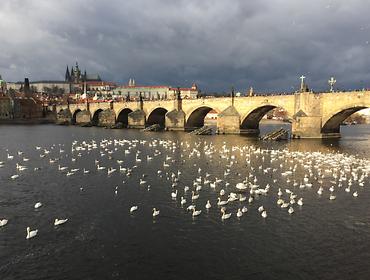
<point x="323" y="239"/>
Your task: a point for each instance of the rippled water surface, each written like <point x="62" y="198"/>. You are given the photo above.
<point x="322" y="239"/>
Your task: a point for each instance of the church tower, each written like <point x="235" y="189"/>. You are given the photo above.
<point x="76" y="75"/>
<point x="68" y="75"/>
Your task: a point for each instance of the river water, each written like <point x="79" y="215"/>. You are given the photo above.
<point x="322" y="239"/>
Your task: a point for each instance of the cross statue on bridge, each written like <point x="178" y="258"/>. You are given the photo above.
<point x="331" y="82"/>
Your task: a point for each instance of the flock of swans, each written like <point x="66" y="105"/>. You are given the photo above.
<point x="181" y="167"/>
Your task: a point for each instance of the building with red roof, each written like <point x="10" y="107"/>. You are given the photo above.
<point x="153" y="92"/>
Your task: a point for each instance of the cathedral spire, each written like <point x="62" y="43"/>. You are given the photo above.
<point x="68" y="75"/>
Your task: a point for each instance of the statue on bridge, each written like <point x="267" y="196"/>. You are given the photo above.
<point x="178" y="94"/>
<point x="331" y="83"/>
<point x="232" y="95"/>
<point x="304" y="87"/>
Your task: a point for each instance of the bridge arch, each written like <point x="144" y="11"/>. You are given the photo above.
<point x="95" y="118"/>
<point x="196" y="117"/>
<point x="332" y="123"/>
<point x="157" y="116"/>
<point x="251" y="120"/>
<point x="122" y="116"/>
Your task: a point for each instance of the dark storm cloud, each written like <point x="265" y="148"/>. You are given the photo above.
<point x="265" y="44"/>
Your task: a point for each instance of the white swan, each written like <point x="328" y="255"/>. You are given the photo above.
<point x="3" y="222"/>
<point x="194" y="196"/>
<point x="38" y="205"/>
<point x="224" y="215"/>
<point x="174" y="194"/>
<point x="30" y="233"/>
<point x="291" y="210"/>
<point x="100" y="167"/>
<point x="300" y="201"/>
<point x="61" y="168"/>
<point x="133" y="208"/>
<point x="183" y="200"/>
<point x="190" y="207"/>
<point x="241" y="186"/>
<point x="196" y="213"/>
<point x="264" y="214"/>
<point x="155" y="212"/>
<point x="208" y="205"/>
<point x="13" y="177"/>
<point x="319" y="192"/>
<point x="280" y="193"/>
<point x="142" y="182"/>
<point x="221" y="202"/>
<point x="239" y="213"/>
<point x="111" y="170"/>
<point x="58" y="222"/>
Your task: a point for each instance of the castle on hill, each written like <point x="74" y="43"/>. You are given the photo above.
<point x="75" y="76"/>
<point x="73" y="82"/>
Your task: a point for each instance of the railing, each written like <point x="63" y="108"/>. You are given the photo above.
<point x="204" y="98"/>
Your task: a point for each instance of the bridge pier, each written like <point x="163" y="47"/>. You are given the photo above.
<point x="64" y="117"/>
<point x="307" y="127"/>
<point x="107" y="118"/>
<point x="136" y="119"/>
<point x="228" y="121"/>
<point x="83" y="117"/>
<point x="175" y="120"/>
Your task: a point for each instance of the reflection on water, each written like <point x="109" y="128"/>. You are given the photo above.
<point x="322" y="239"/>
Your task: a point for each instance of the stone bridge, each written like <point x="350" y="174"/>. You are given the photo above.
<point x="313" y="115"/>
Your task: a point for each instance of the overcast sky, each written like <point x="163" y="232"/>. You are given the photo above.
<point x="215" y="43"/>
